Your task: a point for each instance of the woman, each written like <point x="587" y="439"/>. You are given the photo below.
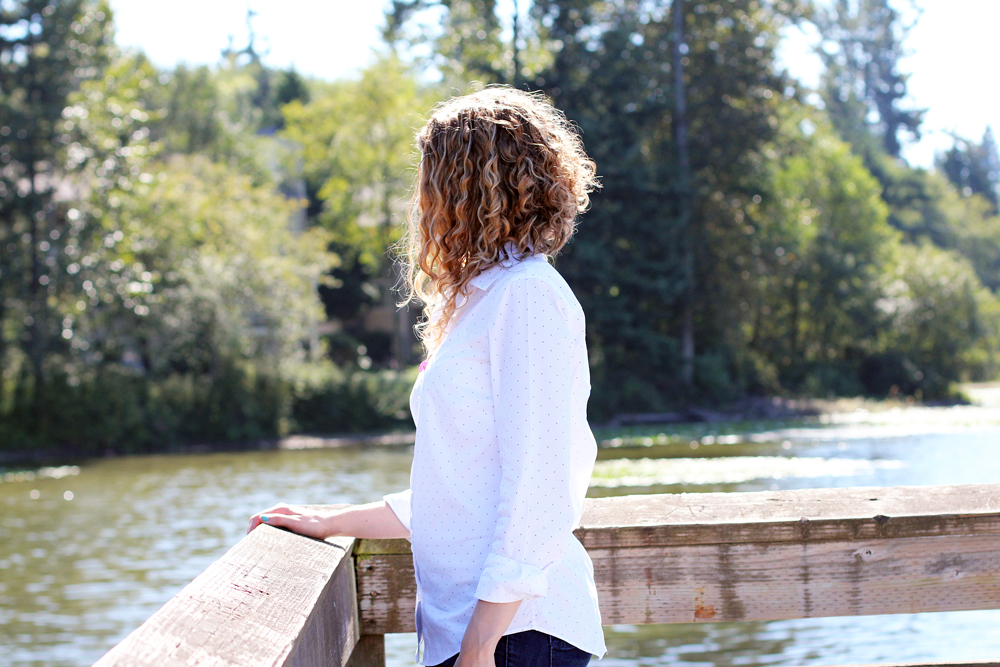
<point x="503" y="452"/>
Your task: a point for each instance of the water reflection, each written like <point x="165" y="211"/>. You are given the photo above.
<point x="955" y="636"/>
<point x="646" y="472"/>
<point x="77" y="575"/>
<point x="87" y="554"/>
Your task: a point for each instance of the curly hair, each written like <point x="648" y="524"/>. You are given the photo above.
<point x="497" y="166"/>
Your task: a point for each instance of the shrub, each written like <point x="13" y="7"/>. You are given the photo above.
<point x="328" y="399"/>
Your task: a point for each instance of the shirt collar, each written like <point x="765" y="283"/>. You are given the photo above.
<point x="489" y="275"/>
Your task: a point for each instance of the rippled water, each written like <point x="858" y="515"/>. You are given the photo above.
<point x="87" y="554"/>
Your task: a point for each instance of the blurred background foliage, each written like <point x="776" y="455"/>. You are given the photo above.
<point x="202" y="254"/>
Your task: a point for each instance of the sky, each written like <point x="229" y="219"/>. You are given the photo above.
<point x="954" y="49"/>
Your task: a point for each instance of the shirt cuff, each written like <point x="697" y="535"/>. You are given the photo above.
<point x="507" y="580"/>
<point x="399" y="503"/>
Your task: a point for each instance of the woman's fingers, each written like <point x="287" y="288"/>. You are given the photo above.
<point x="293" y="518"/>
<point x="282" y="508"/>
<point x="281" y="520"/>
<point x="278" y="510"/>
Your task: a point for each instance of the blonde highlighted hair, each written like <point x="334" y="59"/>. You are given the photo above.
<point x="497" y="167"/>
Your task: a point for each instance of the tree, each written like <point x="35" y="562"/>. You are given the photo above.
<point x="939" y="325"/>
<point x="160" y="301"/>
<point x="211" y="272"/>
<point x="974" y="168"/>
<point x="684" y="193"/>
<point x="821" y="244"/>
<point x="358" y="154"/>
<point x="863" y="89"/>
<point x="47" y="51"/>
<point x="609" y="67"/>
<point x="466" y="40"/>
<point x="627" y="263"/>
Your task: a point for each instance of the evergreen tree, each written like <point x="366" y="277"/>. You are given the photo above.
<point x="863" y="89"/>
<point x="974" y="168"/>
<point x="291" y="87"/>
<point x="469" y="42"/>
<point x="47" y="50"/>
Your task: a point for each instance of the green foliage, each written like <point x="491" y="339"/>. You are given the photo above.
<point x="974" y="169"/>
<point x="358" y="152"/>
<point x="863" y="88"/>
<point x="113" y="408"/>
<point x="359" y="159"/>
<point x="217" y="271"/>
<point x="330" y="399"/>
<point x="613" y="76"/>
<point x="939" y="325"/>
<point x="168" y="298"/>
<point x="169" y="239"/>
<point x="820" y="244"/>
<point x="46" y="52"/>
<point x="468" y="41"/>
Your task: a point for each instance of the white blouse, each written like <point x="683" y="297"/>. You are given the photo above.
<point x="501" y="464"/>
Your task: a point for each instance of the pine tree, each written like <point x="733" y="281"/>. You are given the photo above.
<point x="974" y="168"/>
<point x="48" y="49"/>
<point x="863" y="88"/>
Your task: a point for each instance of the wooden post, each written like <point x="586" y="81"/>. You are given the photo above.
<point x="368" y="652"/>
<point x="275" y="599"/>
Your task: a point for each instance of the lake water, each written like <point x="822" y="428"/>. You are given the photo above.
<point x="89" y="552"/>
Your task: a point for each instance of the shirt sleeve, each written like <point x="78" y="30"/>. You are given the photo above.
<point x="531" y="371"/>
<point x="399" y="503"/>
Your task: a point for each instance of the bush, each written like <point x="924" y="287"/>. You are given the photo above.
<point x="831" y="379"/>
<point x="940" y="326"/>
<point x="328" y="399"/>
<point x="117" y="409"/>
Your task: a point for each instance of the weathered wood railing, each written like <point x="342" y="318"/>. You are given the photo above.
<point x="280" y="599"/>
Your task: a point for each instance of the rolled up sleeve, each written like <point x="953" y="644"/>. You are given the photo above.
<point x="399" y="503"/>
<point x="531" y="373"/>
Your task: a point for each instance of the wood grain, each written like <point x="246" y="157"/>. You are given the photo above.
<point x="387" y="593"/>
<point x="758" y="556"/>
<point x="771" y="581"/>
<point x="275" y="598"/>
<point x="279" y="599"/>
<point x="806" y="515"/>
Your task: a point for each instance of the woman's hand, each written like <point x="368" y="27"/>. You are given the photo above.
<point x="301" y="520"/>
<point x="373" y="520"/>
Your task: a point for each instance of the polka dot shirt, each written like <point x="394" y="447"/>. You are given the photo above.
<point x="501" y="465"/>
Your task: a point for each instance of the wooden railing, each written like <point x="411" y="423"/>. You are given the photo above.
<point x="281" y="599"/>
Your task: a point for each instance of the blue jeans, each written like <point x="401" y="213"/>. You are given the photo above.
<point x="532" y="648"/>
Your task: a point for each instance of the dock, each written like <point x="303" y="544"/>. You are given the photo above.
<point x="280" y="599"/>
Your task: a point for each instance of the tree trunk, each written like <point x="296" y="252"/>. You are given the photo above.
<point x="36" y="304"/>
<point x="684" y="195"/>
<point x="402" y="337"/>
<point x="516" y="79"/>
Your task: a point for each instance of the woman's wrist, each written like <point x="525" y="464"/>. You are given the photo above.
<point x="476" y="655"/>
<point x="372" y="520"/>
<point x="333" y="524"/>
<point x="481" y="641"/>
<point x="490" y="620"/>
